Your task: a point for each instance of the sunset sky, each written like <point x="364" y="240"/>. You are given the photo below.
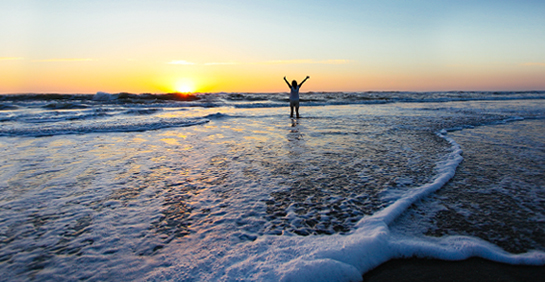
<point x="159" y="46"/>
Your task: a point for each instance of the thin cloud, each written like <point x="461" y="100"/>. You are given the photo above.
<point x="534" y="64"/>
<point x="10" y="58"/>
<point x="64" y="60"/>
<point x="180" y="62"/>
<point x="291" y="62"/>
<point x="278" y="62"/>
<point x="220" y="64"/>
<point x="186" y="63"/>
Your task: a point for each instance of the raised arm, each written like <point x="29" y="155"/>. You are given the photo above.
<point x="304" y="80"/>
<point x="289" y="85"/>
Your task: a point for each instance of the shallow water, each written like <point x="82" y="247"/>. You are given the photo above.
<point x="244" y="192"/>
<point x="497" y="193"/>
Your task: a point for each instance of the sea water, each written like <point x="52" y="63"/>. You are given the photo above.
<point x="225" y="186"/>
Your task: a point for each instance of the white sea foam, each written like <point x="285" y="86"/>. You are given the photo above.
<point x="103" y="96"/>
<point x="93" y="122"/>
<point x="346" y="257"/>
<point x="191" y="203"/>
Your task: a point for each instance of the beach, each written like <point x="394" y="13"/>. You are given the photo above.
<point x="474" y="269"/>
<point x="225" y="187"/>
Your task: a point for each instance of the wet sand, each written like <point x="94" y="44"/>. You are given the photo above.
<point x="473" y="269"/>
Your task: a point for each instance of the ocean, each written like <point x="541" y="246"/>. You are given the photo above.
<point x="227" y="187"/>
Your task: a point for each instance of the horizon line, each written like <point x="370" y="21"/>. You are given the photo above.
<point x="271" y="92"/>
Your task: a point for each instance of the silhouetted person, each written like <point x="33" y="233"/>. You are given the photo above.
<point x="294" y="95"/>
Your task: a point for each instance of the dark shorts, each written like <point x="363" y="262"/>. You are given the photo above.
<point x="294" y="104"/>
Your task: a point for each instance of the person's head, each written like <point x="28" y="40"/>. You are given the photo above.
<point x="294" y="83"/>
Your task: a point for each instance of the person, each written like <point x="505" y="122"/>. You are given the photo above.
<point x="294" y="95"/>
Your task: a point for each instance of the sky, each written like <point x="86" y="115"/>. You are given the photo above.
<point x="85" y="46"/>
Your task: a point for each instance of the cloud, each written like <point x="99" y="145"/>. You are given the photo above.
<point x="291" y="62"/>
<point x="48" y="60"/>
<point x="534" y="64"/>
<point x="219" y="64"/>
<point x="10" y="58"/>
<point x="65" y="60"/>
<point x="278" y="62"/>
<point x="186" y="63"/>
<point x="180" y="62"/>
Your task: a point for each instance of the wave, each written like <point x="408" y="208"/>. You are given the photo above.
<point x="7" y="107"/>
<point x="261" y="100"/>
<point x="100" y="126"/>
<point x="103" y="96"/>
<point x="65" y="106"/>
<point x="217" y="116"/>
<point x="54" y="116"/>
<point x="146" y="111"/>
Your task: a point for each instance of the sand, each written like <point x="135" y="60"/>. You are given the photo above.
<point x="473" y="269"/>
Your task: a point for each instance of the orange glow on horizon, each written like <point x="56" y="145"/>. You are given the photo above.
<point x="20" y="76"/>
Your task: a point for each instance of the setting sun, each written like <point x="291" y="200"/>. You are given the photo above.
<point x="185" y="86"/>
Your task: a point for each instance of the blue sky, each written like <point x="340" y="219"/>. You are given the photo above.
<point x="151" y="46"/>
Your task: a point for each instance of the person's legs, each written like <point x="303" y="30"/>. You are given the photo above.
<point x="291" y="110"/>
<point x="294" y="104"/>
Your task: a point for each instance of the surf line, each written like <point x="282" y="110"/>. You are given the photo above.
<point x="447" y="169"/>
<point x="347" y="257"/>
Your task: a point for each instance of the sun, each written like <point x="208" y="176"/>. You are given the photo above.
<point x="185" y="86"/>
